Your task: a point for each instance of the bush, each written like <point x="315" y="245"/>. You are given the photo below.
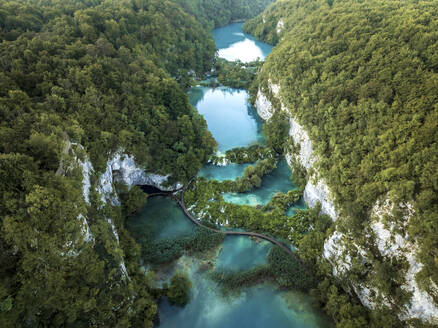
<point x="179" y="289"/>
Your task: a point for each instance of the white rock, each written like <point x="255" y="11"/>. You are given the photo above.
<point x="314" y="192"/>
<point x="275" y="88"/>
<point x="301" y="139"/>
<point x="320" y="193"/>
<point x="280" y="26"/>
<point x="87" y="170"/>
<point x="334" y="249"/>
<point x="132" y="175"/>
<point x="85" y="229"/>
<point x="391" y="243"/>
<point x="106" y="187"/>
<point x="263" y="106"/>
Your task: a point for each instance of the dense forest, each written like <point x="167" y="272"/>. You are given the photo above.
<point x="362" y="77"/>
<point x="85" y="79"/>
<point x="216" y="13"/>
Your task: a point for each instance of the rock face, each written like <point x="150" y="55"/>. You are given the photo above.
<point x="342" y="250"/>
<point x="132" y="175"/>
<point x="393" y="244"/>
<point x="264" y="106"/>
<point x="301" y="138"/>
<point x="320" y="193"/>
<point x="125" y="169"/>
<point x="280" y="26"/>
<point x="316" y="190"/>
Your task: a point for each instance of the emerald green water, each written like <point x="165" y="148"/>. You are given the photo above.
<point x="256" y="307"/>
<point x="160" y="219"/>
<point x="234" y="123"/>
<point x="278" y="180"/>
<point x="230" y="118"/>
<point x="233" y="44"/>
<point x="221" y="173"/>
<point x="242" y="253"/>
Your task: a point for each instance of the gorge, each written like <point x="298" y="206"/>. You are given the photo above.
<point x="318" y="147"/>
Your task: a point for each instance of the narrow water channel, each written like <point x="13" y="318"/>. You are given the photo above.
<point x="234" y="123"/>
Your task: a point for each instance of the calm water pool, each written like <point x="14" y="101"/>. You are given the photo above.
<point x="278" y="180"/>
<point x="233" y="44"/>
<point x="230" y="118"/>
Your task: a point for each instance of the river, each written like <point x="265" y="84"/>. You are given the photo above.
<point x="234" y="123"/>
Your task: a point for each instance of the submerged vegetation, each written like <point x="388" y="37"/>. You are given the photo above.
<point x="282" y="269"/>
<point x="168" y="250"/>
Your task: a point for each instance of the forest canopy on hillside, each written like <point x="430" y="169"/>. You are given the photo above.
<point x="86" y="79"/>
<point x="362" y="76"/>
<point x="216" y="13"/>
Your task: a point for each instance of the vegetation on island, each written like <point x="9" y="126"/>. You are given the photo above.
<point x="236" y="74"/>
<point x="168" y="250"/>
<point x="178" y="291"/>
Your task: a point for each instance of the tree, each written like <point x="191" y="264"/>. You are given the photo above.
<point x="179" y="289"/>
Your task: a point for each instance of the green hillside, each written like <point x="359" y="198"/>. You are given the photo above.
<point x="362" y="77"/>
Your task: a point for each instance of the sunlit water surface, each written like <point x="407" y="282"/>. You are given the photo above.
<point x="230" y="118"/>
<point x="233" y="44"/>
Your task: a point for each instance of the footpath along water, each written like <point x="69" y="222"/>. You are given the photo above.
<point x="256" y="307"/>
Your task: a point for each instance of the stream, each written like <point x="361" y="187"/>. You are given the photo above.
<point x="233" y="123"/>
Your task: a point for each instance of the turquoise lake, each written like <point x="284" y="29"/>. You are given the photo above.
<point x="256" y="307"/>
<point x="233" y="44"/>
<point x="230" y="118"/>
<point x="278" y="180"/>
<point x="221" y="173"/>
<point x="233" y="123"/>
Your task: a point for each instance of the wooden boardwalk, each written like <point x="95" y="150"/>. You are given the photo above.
<point x="232" y="233"/>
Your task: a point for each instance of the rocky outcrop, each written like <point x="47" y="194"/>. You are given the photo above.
<point x="123" y="168"/>
<point x="319" y="192"/>
<point x="390" y="243"/>
<point x="301" y="139"/>
<point x="263" y="106"/>
<point x="393" y="243"/>
<point x="280" y="26"/>
<point x="316" y="190"/>
<point x="342" y="250"/>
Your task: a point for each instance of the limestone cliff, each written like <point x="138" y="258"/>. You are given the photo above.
<point x="383" y="240"/>
<point x="120" y="167"/>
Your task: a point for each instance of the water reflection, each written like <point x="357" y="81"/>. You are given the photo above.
<point x="233" y="44"/>
<point x="230" y="118"/>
